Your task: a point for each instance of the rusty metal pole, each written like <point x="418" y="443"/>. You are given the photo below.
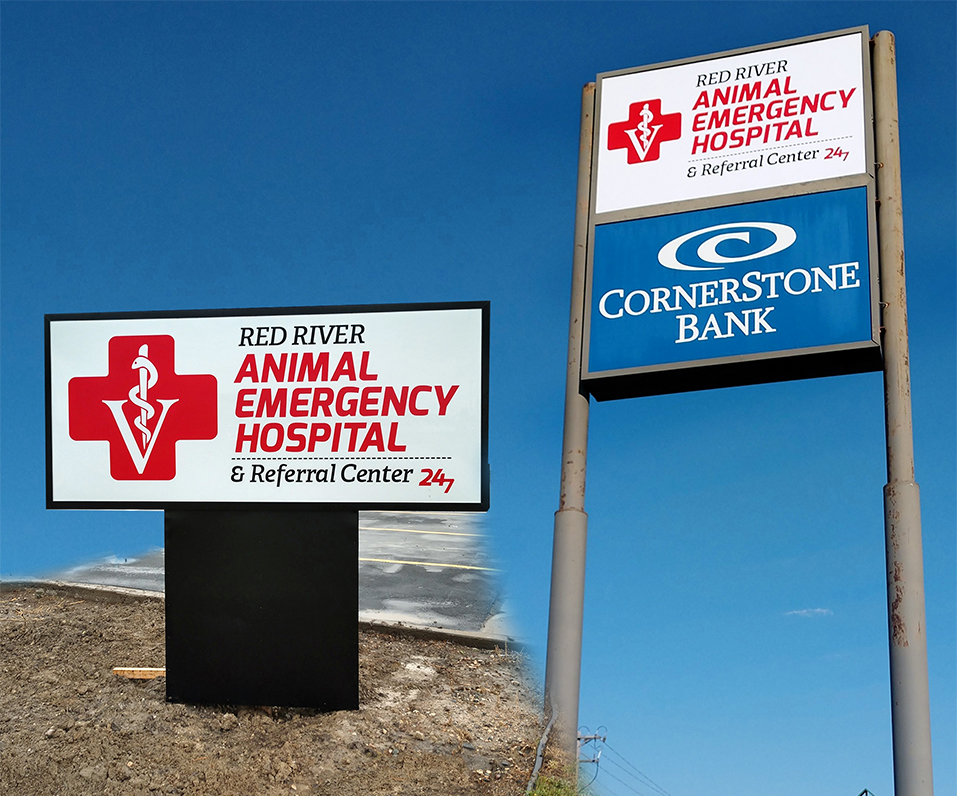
<point x="566" y="606"/>
<point x="910" y="700"/>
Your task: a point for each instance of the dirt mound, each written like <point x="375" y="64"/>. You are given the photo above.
<point x="435" y="717"/>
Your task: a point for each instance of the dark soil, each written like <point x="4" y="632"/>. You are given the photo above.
<point x="435" y="717"/>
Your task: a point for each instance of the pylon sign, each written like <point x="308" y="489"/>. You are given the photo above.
<point x="731" y="221"/>
<point x="381" y="406"/>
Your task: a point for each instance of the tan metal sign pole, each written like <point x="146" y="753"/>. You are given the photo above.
<point x="910" y="701"/>
<point x="566" y="607"/>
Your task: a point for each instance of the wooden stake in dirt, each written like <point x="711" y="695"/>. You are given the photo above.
<point x="138" y="672"/>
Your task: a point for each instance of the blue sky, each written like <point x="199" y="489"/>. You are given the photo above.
<point x="170" y="156"/>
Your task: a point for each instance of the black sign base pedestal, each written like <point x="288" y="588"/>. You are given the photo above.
<point x="262" y="608"/>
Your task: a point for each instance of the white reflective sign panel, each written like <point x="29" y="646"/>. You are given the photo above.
<point x="359" y="406"/>
<point x="744" y="122"/>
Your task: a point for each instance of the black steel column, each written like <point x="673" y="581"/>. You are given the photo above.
<point x="262" y="607"/>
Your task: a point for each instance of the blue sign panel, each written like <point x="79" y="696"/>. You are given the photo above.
<point x="751" y="280"/>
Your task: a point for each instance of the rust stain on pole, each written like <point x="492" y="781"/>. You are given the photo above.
<point x="899" y="631"/>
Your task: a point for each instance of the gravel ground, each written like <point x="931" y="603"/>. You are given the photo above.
<point x="434" y="718"/>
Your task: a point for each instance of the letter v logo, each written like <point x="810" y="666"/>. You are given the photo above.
<point x="140" y="459"/>
<point x="143" y="408"/>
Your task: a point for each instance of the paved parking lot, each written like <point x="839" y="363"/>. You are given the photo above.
<point x="423" y="569"/>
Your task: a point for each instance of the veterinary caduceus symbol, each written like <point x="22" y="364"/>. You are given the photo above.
<point x="142" y="408"/>
<point x="139" y="396"/>
<point x="645" y="129"/>
<point x="646" y="133"/>
<point x="148" y="377"/>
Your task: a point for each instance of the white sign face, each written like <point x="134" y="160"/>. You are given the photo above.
<point x="362" y="407"/>
<point x="744" y="122"/>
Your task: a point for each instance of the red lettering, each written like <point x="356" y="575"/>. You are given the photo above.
<point x="295" y="433"/>
<point x="346" y="367"/>
<point x="321" y="399"/>
<point x="252" y="438"/>
<point x="750" y="91"/>
<point x="373" y="438"/>
<point x="314" y="369"/>
<point x="247" y="370"/>
<point x="753" y="132"/>
<point x="390" y="399"/>
<point x="444" y="397"/>
<point x="277" y="369"/>
<point x="794" y="129"/>
<point x="299" y="406"/>
<point x="244" y="403"/>
<point x="369" y="402"/>
<point x="318" y="432"/>
<point x="393" y="445"/>
<point x="353" y="429"/>
<point x="272" y="405"/>
<point x="719" y="119"/>
<point x="415" y="394"/>
<point x="809" y="104"/>
<point x="346" y="406"/>
<point x="364" y="374"/>
<point x="272" y="447"/>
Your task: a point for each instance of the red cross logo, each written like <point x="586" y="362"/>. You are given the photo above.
<point x="643" y="131"/>
<point x="142" y="408"/>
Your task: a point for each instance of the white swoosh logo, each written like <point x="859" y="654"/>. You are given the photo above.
<point x="784" y="236"/>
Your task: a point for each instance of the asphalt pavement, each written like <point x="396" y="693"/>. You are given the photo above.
<point x="428" y="570"/>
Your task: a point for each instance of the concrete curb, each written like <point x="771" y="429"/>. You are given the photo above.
<point x="462" y="637"/>
<point x="79" y="588"/>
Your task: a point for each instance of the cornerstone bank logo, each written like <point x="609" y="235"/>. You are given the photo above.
<point x="777" y="238"/>
<point x="142" y="408"/>
<point x="644" y="130"/>
<point x="740" y="242"/>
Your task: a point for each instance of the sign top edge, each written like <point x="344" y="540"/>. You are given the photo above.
<point x="334" y="309"/>
<point x="862" y="30"/>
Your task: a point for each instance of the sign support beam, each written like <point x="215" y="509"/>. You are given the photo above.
<point x="566" y="606"/>
<point x="910" y="700"/>
<point x="262" y="607"/>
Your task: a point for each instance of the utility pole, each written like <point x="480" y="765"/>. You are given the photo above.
<point x="586" y="739"/>
<point x="910" y="699"/>
<point x="567" y="602"/>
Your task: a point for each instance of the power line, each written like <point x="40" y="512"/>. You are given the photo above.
<point x="639" y="780"/>
<point x="607" y="790"/>
<point x="643" y="776"/>
<point x="633" y="790"/>
<point x="625" y="770"/>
